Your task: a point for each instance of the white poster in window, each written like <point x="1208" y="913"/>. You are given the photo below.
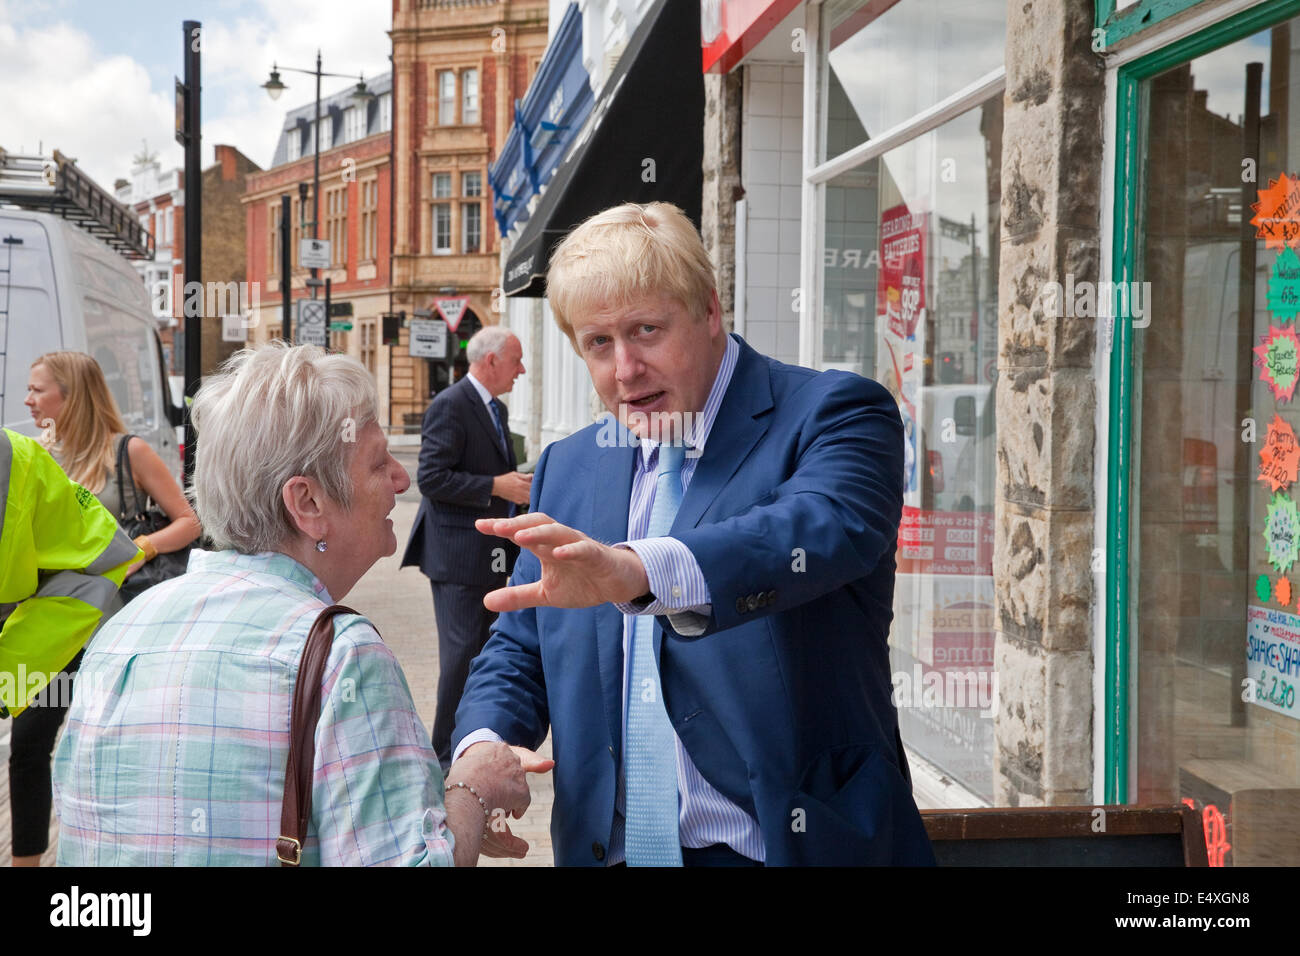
<point x="1272" y="659"/>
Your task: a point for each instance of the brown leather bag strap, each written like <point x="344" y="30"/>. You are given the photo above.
<point x="295" y="811"/>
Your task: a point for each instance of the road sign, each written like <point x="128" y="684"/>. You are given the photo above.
<point x="340" y="309"/>
<point x="340" y="326"/>
<point x="428" y="338"/>
<point x="453" y="310"/>
<point x="314" y="253"/>
<point x="311" y="322"/>
<point x="234" y="328"/>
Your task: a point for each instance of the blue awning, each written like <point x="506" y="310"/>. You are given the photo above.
<point x="545" y="122"/>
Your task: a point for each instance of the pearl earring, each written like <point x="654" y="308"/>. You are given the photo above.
<point x="320" y="545"/>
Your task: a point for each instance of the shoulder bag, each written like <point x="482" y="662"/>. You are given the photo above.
<point x="144" y="517"/>
<point x="295" y="810"/>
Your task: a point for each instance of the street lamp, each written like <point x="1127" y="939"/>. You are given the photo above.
<point x="274" y="87"/>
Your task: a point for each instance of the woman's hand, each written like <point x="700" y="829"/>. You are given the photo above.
<point x="156" y="481"/>
<point x="498" y="774"/>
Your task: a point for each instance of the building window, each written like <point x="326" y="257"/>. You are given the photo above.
<point x="469" y="97"/>
<point x="442" y="228"/>
<point x="293" y="143"/>
<point x="336" y="224"/>
<point x="471" y="184"/>
<point x="326" y="133"/>
<point x="367" y="330"/>
<point x="446" y="98"/>
<point x="471" y="226"/>
<point x="385" y="113"/>
<point x="355" y="123"/>
<point x="369" y="218"/>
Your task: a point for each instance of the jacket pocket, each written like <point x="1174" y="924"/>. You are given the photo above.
<point x="853" y="808"/>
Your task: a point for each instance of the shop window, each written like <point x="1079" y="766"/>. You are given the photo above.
<point x="1212" y="520"/>
<point x="336" y="224"/>
<point x="909" y="280"/>
<point x="886" y="67"/>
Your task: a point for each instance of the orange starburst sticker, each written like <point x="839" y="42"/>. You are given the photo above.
<point x="1280" y="456"/>
<point x="1277" y="214"/>
<point x="1283" y="592"/>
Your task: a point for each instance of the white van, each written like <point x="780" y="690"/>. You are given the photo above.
<point x="61" y="288"/>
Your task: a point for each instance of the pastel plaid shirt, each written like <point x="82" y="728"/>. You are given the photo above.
<point x="175" y="748"/>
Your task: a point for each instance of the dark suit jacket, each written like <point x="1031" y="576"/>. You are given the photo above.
<point x="784" y="703"/>
<point x="460" y="453"/>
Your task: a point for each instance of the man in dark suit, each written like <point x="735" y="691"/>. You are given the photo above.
<point x="718" y="683"/>
<point x="467" y="471"/>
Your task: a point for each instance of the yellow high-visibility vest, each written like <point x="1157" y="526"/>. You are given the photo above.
<point x="62" y="559"/>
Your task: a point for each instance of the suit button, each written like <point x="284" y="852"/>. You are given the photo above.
<point x="611" y="750"/>
<point x="598" y="851"/>
<point x="771" y="596"/>
<point x="740" y="605"/>
<point x="752" y="601"/>
<point x="762" y="599"/>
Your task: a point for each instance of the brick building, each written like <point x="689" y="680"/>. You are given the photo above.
<point x="355" y="216"/>
<point x="158" y="198"/>
<point x="459" y="70"/>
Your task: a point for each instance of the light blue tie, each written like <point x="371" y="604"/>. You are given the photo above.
<point x="650" y="765"/>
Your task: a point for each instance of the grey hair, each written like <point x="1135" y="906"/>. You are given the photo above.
<point x="489" y="340"/>
<point x="268" y="415"/>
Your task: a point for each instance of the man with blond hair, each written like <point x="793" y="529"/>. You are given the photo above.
<point x="700" y="613"/>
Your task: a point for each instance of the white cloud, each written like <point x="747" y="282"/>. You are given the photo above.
<point x="62" y="90"/>
<point x="60" y="93"/>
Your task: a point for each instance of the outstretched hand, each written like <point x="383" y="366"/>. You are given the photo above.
<point x="576" y="571"/>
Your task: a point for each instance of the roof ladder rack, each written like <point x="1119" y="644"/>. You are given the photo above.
<point x="58" y="186"/>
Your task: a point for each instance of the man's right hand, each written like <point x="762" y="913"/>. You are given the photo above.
<point x="512" y="486"/>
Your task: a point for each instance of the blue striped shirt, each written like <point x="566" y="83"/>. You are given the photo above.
<point x="705" y="816"/>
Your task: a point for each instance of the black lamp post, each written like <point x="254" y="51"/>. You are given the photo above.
<point x="274" y="87"/>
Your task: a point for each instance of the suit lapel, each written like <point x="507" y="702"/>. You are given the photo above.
<point x="739" y="425"/>
<point x="485" y="418"/>
<point x="611" y="495"/>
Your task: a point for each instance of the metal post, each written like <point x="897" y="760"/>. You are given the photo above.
<point x="315" y="181"/>
<point x="191" y="33"/>
<point x="327" y="314"/>
<point x="286" y="307"/>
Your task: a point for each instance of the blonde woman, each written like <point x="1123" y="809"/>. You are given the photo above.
<point x="82" y="428"/>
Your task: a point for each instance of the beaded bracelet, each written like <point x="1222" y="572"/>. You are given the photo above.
<point x="487" y="816"/>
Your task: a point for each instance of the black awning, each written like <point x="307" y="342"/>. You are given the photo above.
<point x="651" y="108"/>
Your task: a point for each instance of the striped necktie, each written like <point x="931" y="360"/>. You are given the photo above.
<point x="650" y="766"/>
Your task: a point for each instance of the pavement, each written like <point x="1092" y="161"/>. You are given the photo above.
<point x="399" y="603"/>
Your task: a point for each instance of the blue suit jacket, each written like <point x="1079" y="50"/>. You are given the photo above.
<point x="784" y="703"/>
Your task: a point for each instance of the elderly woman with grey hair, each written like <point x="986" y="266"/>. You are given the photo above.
<point x="176" y="746"/>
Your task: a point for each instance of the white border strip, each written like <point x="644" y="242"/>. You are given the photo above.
<point x="967" y="98"/>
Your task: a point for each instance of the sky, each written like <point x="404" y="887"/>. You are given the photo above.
<point x="95" y="78"/>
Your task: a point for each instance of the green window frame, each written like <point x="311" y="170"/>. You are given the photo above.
<point x="1128" y="249"/>
<point x="1117" y="25"/>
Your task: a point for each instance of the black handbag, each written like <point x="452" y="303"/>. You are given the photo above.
<point x="144" y="517"/>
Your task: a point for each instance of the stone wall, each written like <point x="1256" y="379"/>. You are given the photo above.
<point x="722" y="182"/>
<point x="1046" y="401"/>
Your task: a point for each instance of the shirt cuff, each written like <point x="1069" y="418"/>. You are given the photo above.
<point x="676" y="582"/>
<point x="477" y="737"/>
